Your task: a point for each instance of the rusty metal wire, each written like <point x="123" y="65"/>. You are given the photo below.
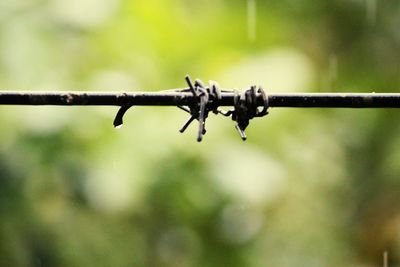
<point x="199" y="99"/>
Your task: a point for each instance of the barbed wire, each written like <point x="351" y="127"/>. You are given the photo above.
<point x="199" y="100"/>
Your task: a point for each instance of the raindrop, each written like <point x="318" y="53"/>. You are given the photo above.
<point x="333" y="67"/>
<point x="251" y="19"/>
<point x="332" y="73"/>
<point x="371" y="11"/>
<point x="385" y="259"/>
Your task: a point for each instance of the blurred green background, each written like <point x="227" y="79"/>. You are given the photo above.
<point x="310" y="187"/>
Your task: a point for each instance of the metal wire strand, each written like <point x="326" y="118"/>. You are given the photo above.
<point x="175" y="98"/>
<point x="198" y="100"/>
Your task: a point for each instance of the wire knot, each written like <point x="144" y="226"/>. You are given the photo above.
<point x="206" y="100"/>
<point x="246" y="106"/>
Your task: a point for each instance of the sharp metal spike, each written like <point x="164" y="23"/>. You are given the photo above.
<point x="191" y="86"/>
<point x="183" y="129"/>
<point x="241" y="133"/>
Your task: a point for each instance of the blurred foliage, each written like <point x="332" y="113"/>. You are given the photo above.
<point x="309" y="188"/>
